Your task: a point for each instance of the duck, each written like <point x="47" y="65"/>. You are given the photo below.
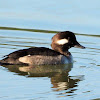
<point x="59" y="54"/>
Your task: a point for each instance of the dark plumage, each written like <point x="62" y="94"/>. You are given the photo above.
<point x="14" y="56"/>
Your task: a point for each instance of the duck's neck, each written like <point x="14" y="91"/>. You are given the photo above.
<point x="63" y="50"/>
<point x="65" y="53"/>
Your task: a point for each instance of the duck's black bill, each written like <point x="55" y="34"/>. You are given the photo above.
<point x="77" y="45"/>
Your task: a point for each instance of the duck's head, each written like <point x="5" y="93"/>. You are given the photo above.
<point x="63" y="41"/>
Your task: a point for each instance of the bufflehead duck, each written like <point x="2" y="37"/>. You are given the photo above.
<point x="59" y="54"/>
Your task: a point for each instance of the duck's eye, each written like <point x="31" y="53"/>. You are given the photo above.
<point x="72" y="43"/>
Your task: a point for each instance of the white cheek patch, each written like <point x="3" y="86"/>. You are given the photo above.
<point x="28" y="55"/>
<point x="62" y="41"/>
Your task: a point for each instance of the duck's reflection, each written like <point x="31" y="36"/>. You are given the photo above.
<point x="60" y="78"/>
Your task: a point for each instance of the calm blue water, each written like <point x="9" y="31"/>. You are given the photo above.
<point x="31" y="23"/>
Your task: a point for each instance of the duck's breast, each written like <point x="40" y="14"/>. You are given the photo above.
<point x="67" y="59"/>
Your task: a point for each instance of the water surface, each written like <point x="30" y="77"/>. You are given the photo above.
<point x="25" y="24"/>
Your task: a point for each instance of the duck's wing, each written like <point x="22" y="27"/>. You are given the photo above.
<point x="13" y="58"/>
<point x="33" y="51"/>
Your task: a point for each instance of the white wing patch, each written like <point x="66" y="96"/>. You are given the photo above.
<point x="62" y="41"/>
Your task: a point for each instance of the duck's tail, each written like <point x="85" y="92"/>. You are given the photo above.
<point x="2" y="62"/>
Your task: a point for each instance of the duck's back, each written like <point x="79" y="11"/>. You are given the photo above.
<point x="34" y="56"/>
